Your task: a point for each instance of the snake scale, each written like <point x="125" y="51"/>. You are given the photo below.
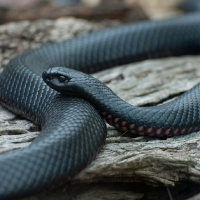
<point x="72" y="131"/>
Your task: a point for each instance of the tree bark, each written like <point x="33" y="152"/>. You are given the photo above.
<point x="143" y="159"/>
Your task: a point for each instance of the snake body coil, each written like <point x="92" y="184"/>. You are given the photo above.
<point x="72" y="131"/>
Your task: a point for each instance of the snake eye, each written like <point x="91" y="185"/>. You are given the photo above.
<point x="49" y="77"/>
<point x="62" y="79"/>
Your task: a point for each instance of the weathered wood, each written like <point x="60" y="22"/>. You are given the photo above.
<point x="143" y="159"/>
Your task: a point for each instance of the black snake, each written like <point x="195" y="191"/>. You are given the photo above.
<point x="72" y="131"/>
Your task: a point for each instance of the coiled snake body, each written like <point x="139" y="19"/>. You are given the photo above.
<point x="72" y="131"/>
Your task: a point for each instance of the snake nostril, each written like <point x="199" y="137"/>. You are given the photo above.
<point x="49" y="77"/>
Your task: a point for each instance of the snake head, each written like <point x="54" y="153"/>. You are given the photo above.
<point x="64" y="80"/>
<point x="74" y="83"/>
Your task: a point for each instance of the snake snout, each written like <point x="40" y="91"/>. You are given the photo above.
<point x="57" y="79"/>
